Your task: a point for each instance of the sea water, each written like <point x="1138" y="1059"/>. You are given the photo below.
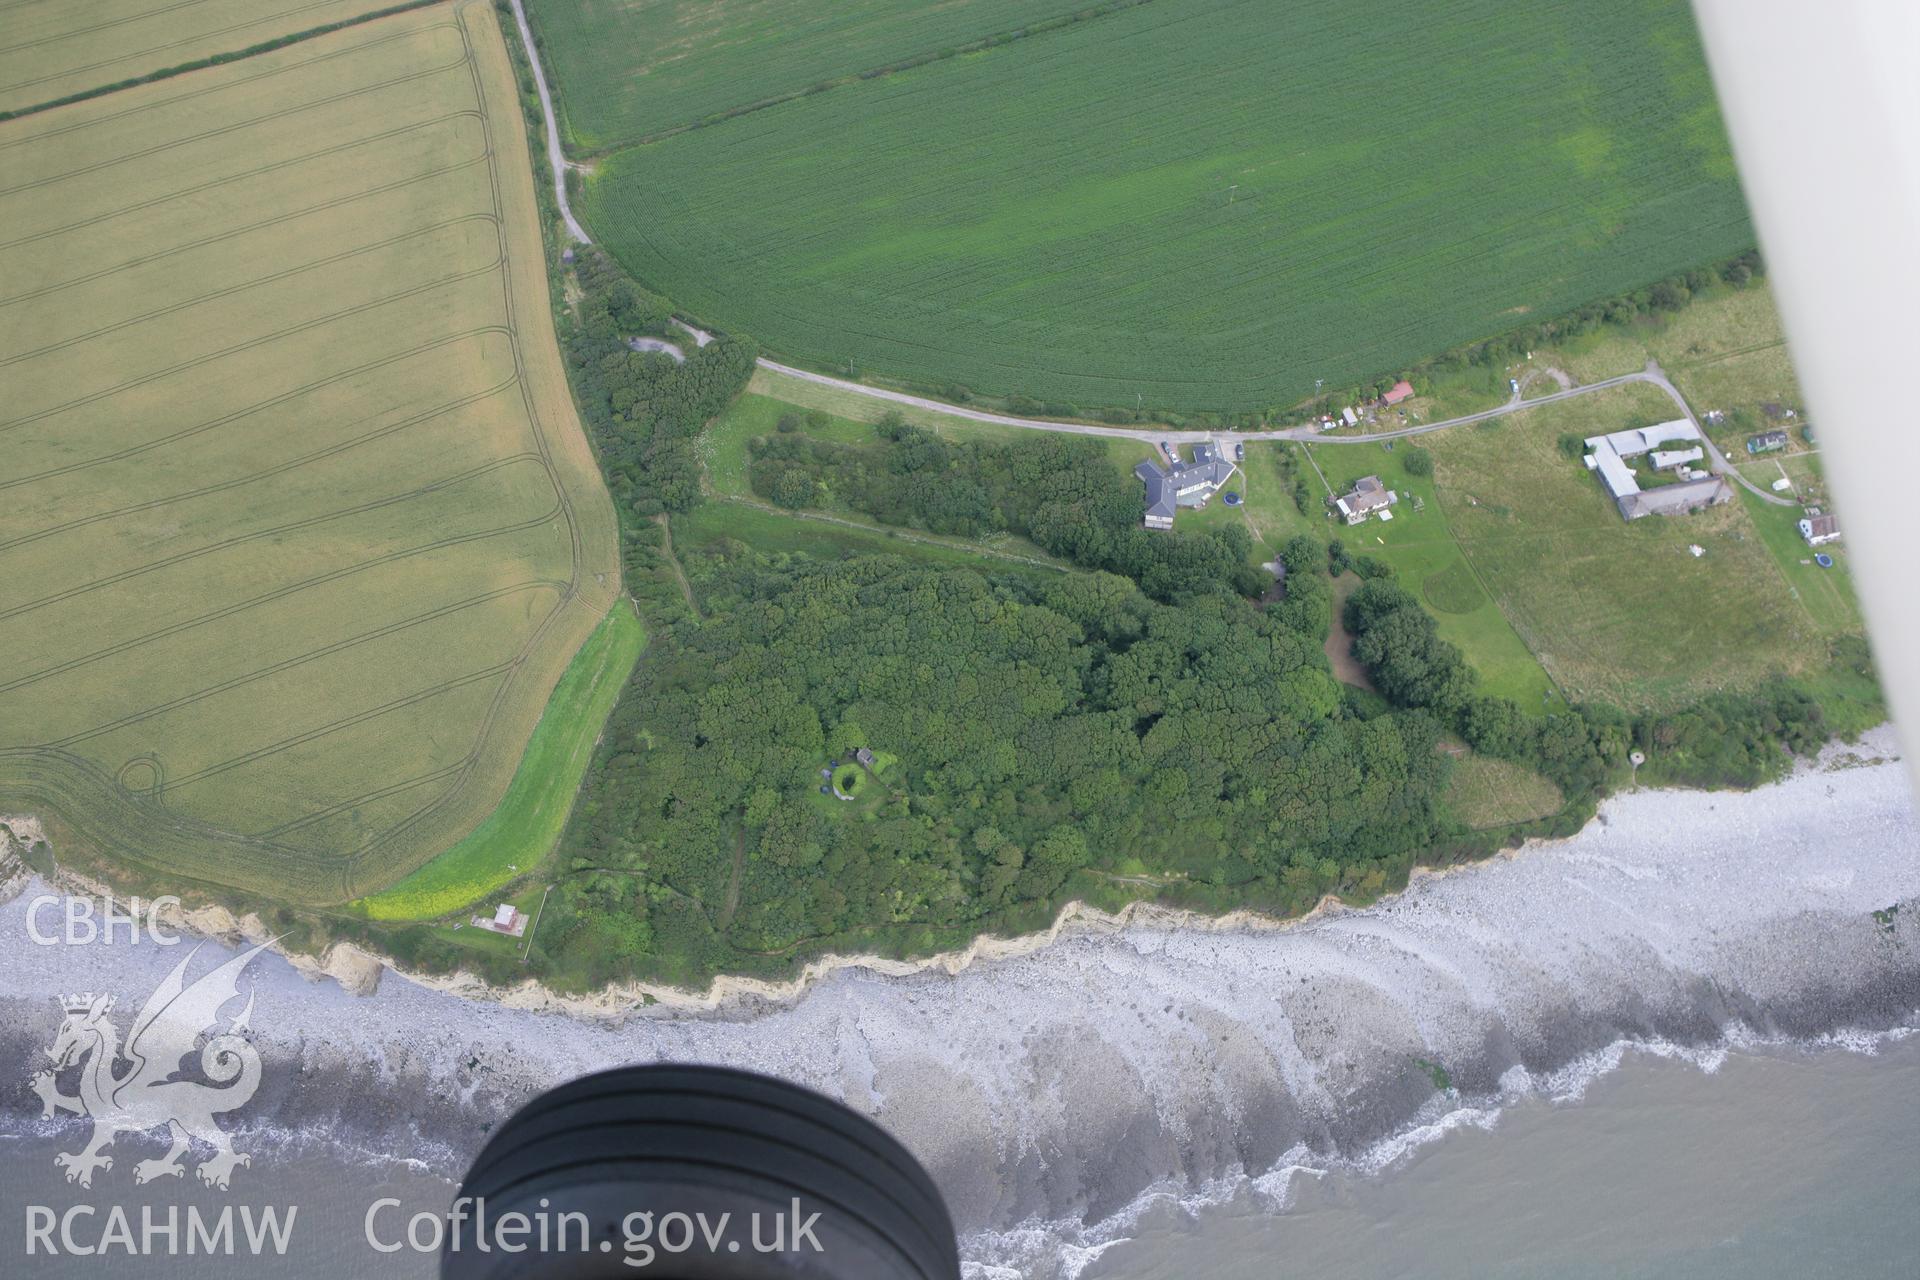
<point x="1795" y="1163"/>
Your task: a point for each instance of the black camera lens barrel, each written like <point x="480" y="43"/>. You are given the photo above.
<point x="701" y="1142"/>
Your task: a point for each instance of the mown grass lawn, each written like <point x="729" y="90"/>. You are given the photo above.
<point x="1826" y="594"/>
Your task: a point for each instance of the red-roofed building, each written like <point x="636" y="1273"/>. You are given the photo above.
<point x="1402" y="390"/>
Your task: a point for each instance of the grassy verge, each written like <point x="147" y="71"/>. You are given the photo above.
<point x="534" y="811"/>
<point x="1484" y="793"/>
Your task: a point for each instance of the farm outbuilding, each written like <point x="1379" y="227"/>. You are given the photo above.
<point x="1607" y="456"/>
<point x="1819" y="530"/>
<point x="1669" y="459"/>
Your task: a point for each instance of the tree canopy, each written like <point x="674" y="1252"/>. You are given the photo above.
<point x="1062" y="492"/>
<point x="1042" y="733"/>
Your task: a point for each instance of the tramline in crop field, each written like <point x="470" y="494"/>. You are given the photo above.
<point x="634" y="71"/>
<point x="298" y="528"/>
<point x="1188" y="203"/>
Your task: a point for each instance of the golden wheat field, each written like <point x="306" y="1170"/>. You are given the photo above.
<point x="298" y="528"/>
<point x="52" y="48"/>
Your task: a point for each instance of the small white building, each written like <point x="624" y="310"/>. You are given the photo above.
<point x="1820" y="530"/>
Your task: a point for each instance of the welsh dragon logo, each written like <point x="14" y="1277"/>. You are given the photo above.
<point x="140" y="1087"/>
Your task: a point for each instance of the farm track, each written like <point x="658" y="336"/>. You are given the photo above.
<point x="556" y="157"/>
<point x="74" y="787"/>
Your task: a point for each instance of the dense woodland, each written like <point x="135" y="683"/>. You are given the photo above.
<point x="1060" y="491"/>
<point x="644" y="410"/>
<point x="1043" y="733"/>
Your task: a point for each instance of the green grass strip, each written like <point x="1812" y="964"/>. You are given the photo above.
<point x="534" y="811"/>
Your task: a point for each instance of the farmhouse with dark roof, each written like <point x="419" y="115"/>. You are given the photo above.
<point x="1182" y="484"/>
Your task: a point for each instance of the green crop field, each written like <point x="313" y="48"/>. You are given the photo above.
<point x="518" y="834"/>
<point x="633" y="71"/>
<point x="298" y="528"/>
<point x="1186" y="203"/>
<point x="1614" y="610"/>
<point x="52" y="48"/>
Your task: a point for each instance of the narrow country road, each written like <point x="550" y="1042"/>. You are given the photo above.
<point x="1653" y="374"/>
<point x="1001" y="419"/>
<point x="556" y="158"/>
